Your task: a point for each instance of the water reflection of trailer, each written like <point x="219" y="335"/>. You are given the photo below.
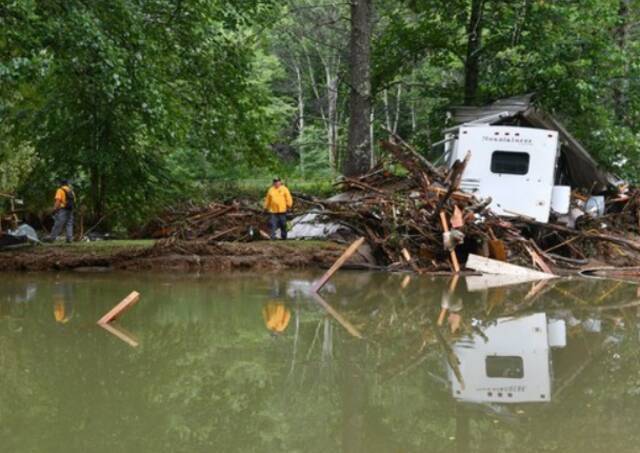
<point x="510" y="362"/>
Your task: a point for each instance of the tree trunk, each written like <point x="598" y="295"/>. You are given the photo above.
<point x="520" y="22"/>
<point x="358" y="156"/>
<point x="372" y="154"/>
<point x="300" y="117"/>
<point x="97" y="192"/>
<point x="396" y="118"/>
<point x="332" y="111"/>
<point x="472" y="62"/>
<point x="620" y="88"/>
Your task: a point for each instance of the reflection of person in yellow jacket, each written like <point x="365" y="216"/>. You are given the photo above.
<point x="62" y="312"/>
<point x="277" y="202"/>
<point x="276" y="317"/>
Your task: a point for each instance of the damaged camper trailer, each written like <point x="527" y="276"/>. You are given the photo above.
<point x="521" y="157"/>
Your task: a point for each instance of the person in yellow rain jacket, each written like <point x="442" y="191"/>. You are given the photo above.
<point x="65" y="201"/>
<point x="277" y="202"/>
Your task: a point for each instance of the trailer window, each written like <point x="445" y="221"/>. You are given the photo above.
<point x="504" y="367"/>
<point x="510" y="162"/>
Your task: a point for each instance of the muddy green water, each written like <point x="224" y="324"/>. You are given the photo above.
<point x="246" y="363"/>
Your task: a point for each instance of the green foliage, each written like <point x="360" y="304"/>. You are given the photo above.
<point x="569" y="53"/>
<point x="146" y="103"/>
<point x="137" y="101"/>
<point x="312" y="149"/>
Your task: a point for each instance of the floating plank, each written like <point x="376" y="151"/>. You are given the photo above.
<point x="490" y="266"/>
<point x="121" y="333"/>
<point x="317" y="286"/>
<point x="119" y="309"/>
<point x="337" y="316"/>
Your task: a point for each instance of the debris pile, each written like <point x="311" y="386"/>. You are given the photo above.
<point x="416" y="217"/>
<point x="423" y="222"/>
<point x="235" y="221"/>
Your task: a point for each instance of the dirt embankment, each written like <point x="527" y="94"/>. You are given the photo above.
<point x="178" y="256"/>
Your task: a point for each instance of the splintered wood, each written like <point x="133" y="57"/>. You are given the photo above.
<point x="353" y="248"/>
<point x="423" y="214"/>
<point x="236" y="221"/>
<point x="119" y="309"/>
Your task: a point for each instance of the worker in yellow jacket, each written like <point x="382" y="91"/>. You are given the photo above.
<point x="277" y="202"/>
<point x="65" y="203"/>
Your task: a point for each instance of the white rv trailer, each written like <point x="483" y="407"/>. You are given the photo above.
<point x="515" y="166"/>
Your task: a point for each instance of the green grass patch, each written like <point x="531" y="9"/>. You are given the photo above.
<point x="103" y="246"/>
<point x="257" y="188"/>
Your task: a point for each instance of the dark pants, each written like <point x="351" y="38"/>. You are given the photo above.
<point x="278" y="221"/>
<point x="63" y="219"/>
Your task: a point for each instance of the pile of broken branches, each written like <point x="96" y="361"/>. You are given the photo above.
<point x="236" y="221"/>
<point x="424" y="222"/>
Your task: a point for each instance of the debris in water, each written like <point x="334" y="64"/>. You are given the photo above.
<point x="119" y="309"/>
<point x="353" y="248"/>
<point x="121" y="333"/>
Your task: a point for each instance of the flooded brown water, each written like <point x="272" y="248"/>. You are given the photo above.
<point x="248" y="363"/>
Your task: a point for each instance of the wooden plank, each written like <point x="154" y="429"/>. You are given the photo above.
<point x="317" y="286"/>
<point x="407" y="256"/>
<point x="459" y="196"/>
<point x="337" y="316"/>
<point x="490" y="266"/>
<point x="121" y="333"/>
<point x="119" y="309"/>
<point x="454" y="257"/>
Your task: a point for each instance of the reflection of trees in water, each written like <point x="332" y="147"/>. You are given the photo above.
<point x="228" y="386"/>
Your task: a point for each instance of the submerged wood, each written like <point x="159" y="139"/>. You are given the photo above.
<point x="119" y="309"/>
<point x="337" y="316"/>
<point x="121" y="333"/>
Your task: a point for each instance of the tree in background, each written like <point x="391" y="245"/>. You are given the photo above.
<point x="136" y="100"/>
<point x="145" y="102"/>
<point x="358" y="158"/>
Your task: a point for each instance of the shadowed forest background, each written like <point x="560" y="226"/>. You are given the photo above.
<point x="149" y="103"/>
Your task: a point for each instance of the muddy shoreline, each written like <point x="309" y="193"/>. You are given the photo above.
<point x="178" y="256"/>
